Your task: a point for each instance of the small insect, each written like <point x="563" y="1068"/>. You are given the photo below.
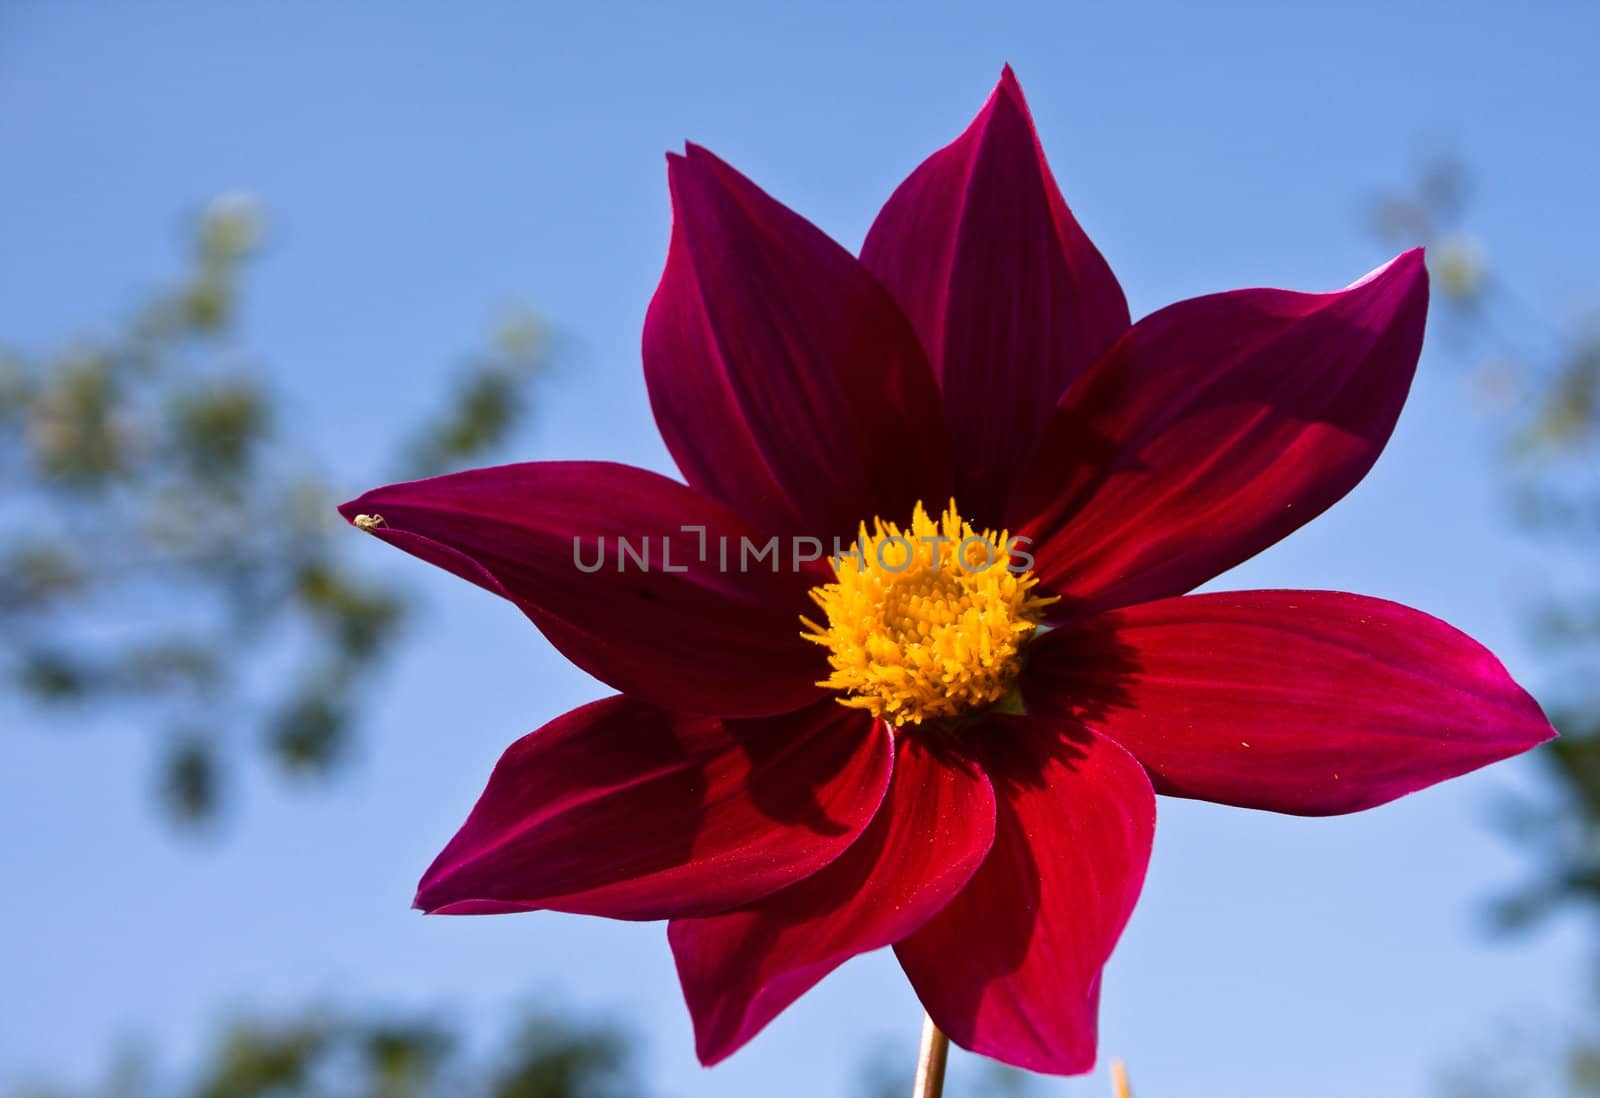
<point x="369" y="522"/>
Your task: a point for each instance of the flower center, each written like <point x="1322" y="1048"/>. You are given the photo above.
<point x="925" y="623"/>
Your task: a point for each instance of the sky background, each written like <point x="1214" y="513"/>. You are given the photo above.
<point x="424" y="166"/>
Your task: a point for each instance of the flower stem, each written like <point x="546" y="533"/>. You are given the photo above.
<point x="930" y="1061"/>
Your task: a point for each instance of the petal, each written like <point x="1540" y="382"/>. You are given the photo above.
<point x="625" y="810"/>
<point x="1011" y="967"/>
<point x="667" y="616"/>
<point x="1216" y="427"/>
<point x="1010" y="298"/>
<point x="784" y="380"/>
<point x="1309" y="702"/>
<point x="742" y="969"/>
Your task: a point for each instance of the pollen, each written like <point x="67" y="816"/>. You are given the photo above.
<point x="927" y="622"/>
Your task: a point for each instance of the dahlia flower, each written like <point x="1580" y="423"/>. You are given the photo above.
<point x="907" y="656"/>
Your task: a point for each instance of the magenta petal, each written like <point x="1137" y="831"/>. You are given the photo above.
<point x="1216" y="427"/>
<point x="784" y="380"/>
<point x="1008" y="294"/>
<point x="1309" y="702"/>
<point x="625" y="810"/>
<point x="1011" y="967"/>
<point x="680" y="630"/>
<point x="742" y="969"/>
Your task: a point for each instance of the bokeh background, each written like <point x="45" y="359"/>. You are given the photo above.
<point x="255" y="258"/>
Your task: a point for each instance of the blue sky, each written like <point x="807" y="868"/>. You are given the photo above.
<point x="425" y="165"/>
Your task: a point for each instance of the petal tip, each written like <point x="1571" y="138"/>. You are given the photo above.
<point x="1007" y="90"/>
<point x="422" y="901"/>
<point x="710" y="1055"/>
<point x="1540" y="729"/>
<point x="1409" y="267"/>
<point x="1412" y="262"/>
<point x="695" y="172"/>
<point x="677" y="164"/>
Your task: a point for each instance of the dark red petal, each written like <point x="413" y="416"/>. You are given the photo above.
<point x="1011" y="967"/>
<point x="742" y="969"/>
<point x="708" y="638"/>
<point x="625" y="810"/>
<point x="1310" y="702"/>
<point x="1010" y="298"/>
<point x="785" y="381"/>
<point x="1214" y="428"/>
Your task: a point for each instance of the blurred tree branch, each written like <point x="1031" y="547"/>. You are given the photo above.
<point x="320" y="1054"/>
<point x="1541" y="371"/>
<point x="166" y="550"/>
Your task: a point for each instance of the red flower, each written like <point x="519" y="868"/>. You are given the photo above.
<point x="983" y="800"/>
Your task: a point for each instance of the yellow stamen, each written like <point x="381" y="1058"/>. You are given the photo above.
<point x="1119" y="1081"/>
<point x="928" y="622"/>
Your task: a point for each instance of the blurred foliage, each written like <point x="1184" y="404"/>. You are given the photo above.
<point x="167" y="551"/>
<point x="330" y="1055"/>
<point x="1515" y="1060"/>
<point x="1539" y="366"/>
